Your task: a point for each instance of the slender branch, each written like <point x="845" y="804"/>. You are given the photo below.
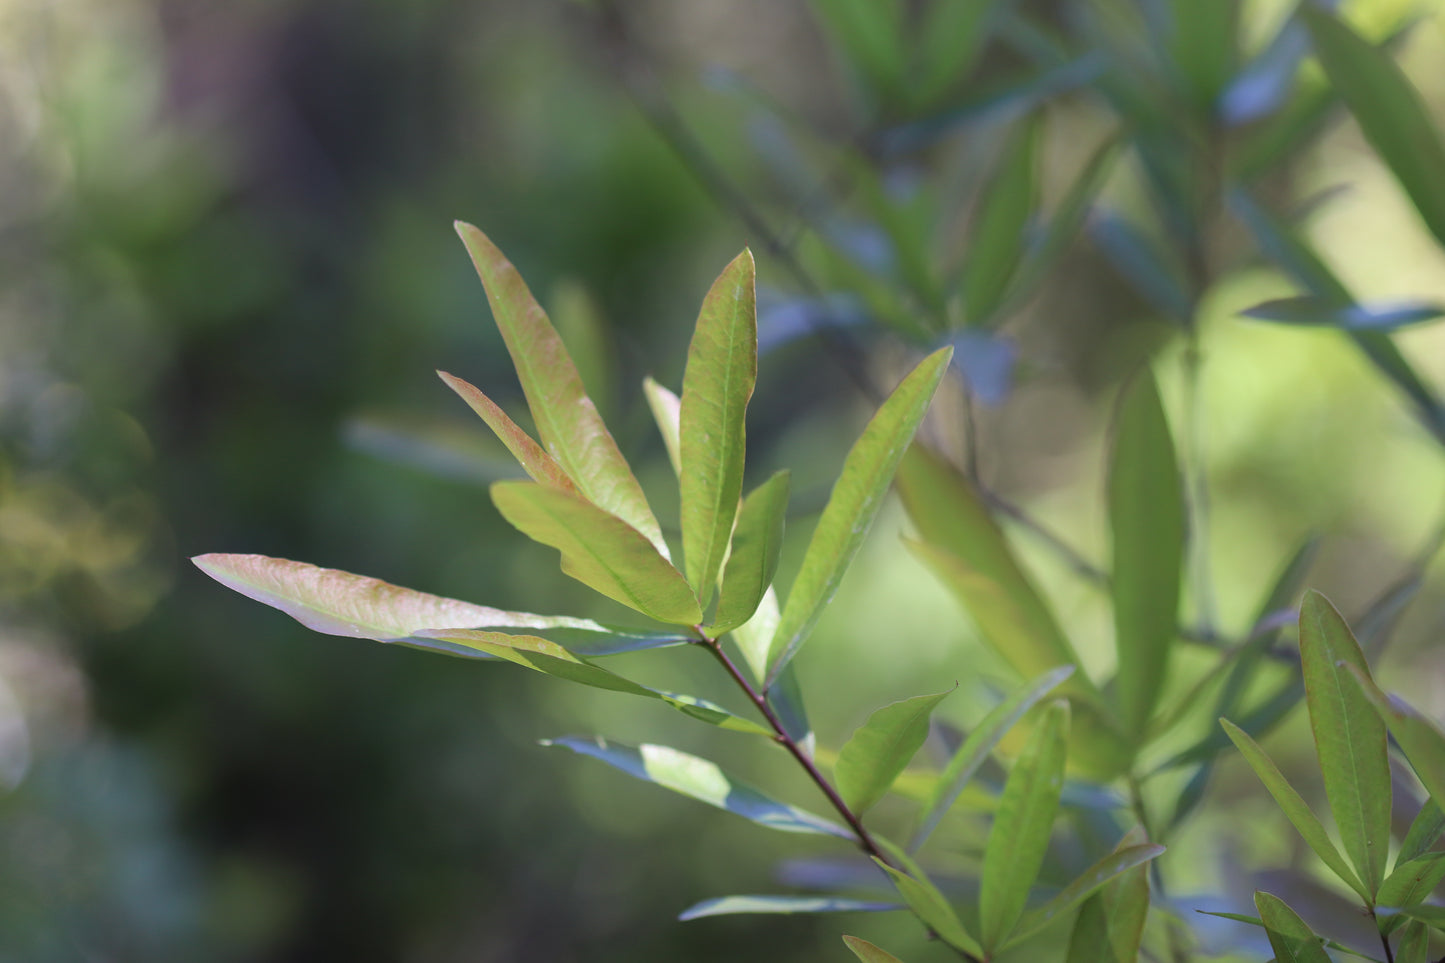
<point x="1385" y="942"/>
<point x="1081" y="566"/>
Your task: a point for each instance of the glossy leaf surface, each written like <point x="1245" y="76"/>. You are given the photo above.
<point x="1349" y="737"/>
<point x="756" y="542"/>
<point x="1295" y="808"/>
<point x="722" y="367"/>
<point x="701" y="779"/>
<point x="979" y="744"/>
<point x="786" y="905"/>
<point x="1022" y="827"/>
<point x="541" y="466"/>
<point x="600" y="550"/>
<point x="880" y="749"/>
<point x="1289" y="937"/>
<point x="854" y="503"/>
<point x="571" y="430"/>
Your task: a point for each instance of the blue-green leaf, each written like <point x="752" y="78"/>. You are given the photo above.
<point x="1322" y="312"/>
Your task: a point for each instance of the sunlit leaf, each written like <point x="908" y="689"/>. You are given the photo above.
<point x="667" y="412"/>
<point x="1114" y="865"/>
<point x="339" y="603"/>
<point x="1395" y="121"/>
<point x="786" y="905"/>
<point x="537" y="463"/>
<point x="571" y="430"/>
<point x="1006" y="205"/>
<point x="722" y="366"/>
<point x="1349" y="736"/>
<point x="702" y="780"/>
<point x="756" y="543"/>
<point x="864" y="950"/>
<point x="1295" y="808"/>
<point x="856" y="498"/>
<point x="600" y="550"/>
<point x="1021" y="829"/>
<point x="980" y="742"/>
<point x="880" y="749"/>
<point x="1147" y="515"/>
<point x="608" y="639"/>
<point x="1322" y="312"/>
<point x="1421" y="739"/>
<point x="755" y="635"/>
<point x="1289" y="937"/>
<point x="930" y="906"/>
<point x="1110" y="924"/>
<point x="1423" y="831"/>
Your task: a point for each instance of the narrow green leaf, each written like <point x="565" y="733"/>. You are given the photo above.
<point x="1291" y="940"/>
<point x="1110" y="925"/>
<point x="702" y="780"/>
<point x="786" y="699"/>
<point x="1420" y="739"/>
<point x="1412" y="882"/>
<point x="982" y="741"/>
<point x="999" y="239"/>
<point x="713" y="714"/>
<point x="1021" y="829"/>
<point x="339" y="603"/>
<point x="869" y="953"/>
<point x="1147" y="515"/>
<point x="756" y="543"/>
<point x="755" y="635"/>
<point x="541" y="466"/>
<point x="1256" y="921"/>
<point x="1295" y="808"/>
<point x="1430" y="915"/>
<point x="599" y="550"/>
<point x="1423" y="832"/>
<point x="880" y="749"/>
<point x="1388" y="108"/>
<point x="856" y="498"/>
<point x="667" y="412"/>
<point x="785" y="905"/>
<point x="870" y="32"/>
<point x="1093" y="878"/>
<point x="571" y="430"/>
<point x="1204" y="48"/>
<point x="609" y="639"/>
<point x="950" y="36"/>
<point x="1349" y="737"/>
<point x="722" y="367"/>
<point x="1414" y="944"/>
<point x="930" y="906"/>
<point x="1315" y="311"/>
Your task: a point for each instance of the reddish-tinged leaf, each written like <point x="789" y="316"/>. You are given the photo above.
<point x="541" y="466"/>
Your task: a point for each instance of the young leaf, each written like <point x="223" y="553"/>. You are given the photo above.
<point x="541" y="466"/>
<point x="339" y="603"/>
<point x="722" y="366"/>
<point x="600" y="550"/>
<point x="787" y="905"/>
<point x="866" y="951"/>
<point x="1093" y="878"/>
<point x="881" y="748"/>
<point x="1349" y="736"/>
<point x="1295" y="808"/>
<point x="667" y="412"/>
<point x="756" y="542"/>
<point x="1423" y="832"/>
<point x="979" y="744"/>
<point x="1007" y="203"/>
<point x="855" y="500"/>
<point x="1389" y="111"/>
<point x="1021" y="829"/>
<point x="1146" y="513"/>
<point x="930" y="906"/>
<point x="1289" y="937"/>
<point x="571" y="430"/>
<point x="1421" y="740"/>
<point x="702" y="780"/>
<point x="1323" y="312"/>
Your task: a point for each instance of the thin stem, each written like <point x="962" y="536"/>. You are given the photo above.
<point x="1081" y="566"/>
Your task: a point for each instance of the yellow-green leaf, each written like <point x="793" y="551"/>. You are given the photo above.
<point x="1414" y="944"/>
<point x="1423" y="831"/>
<point x="722" y="366"/>
<point x="1020" y="834"/>
<point x="1295" y="808"/>
<point x="756" y="542"/>
<point x="1289" y="937"/>
<point x="880" y="749"/>
<point x="571" y="430"/>
<point x="1146" y="513"/>
<point x="537" y="463"/>
<point x="1421" y="739"/>
<point x="1349" y="737"/>
<point x="1110" y="924"/>
<point x="667" y="412"/>
<point x="600" y="550"/>
<point x="929" y="905"/>
<point x="1128" y="912"/>
<point x="852" y="506"/>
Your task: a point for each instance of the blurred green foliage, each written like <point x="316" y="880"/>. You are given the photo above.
<point x="229" y="273"/>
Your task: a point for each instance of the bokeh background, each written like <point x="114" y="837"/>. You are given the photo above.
<point x="228" y="273"/>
